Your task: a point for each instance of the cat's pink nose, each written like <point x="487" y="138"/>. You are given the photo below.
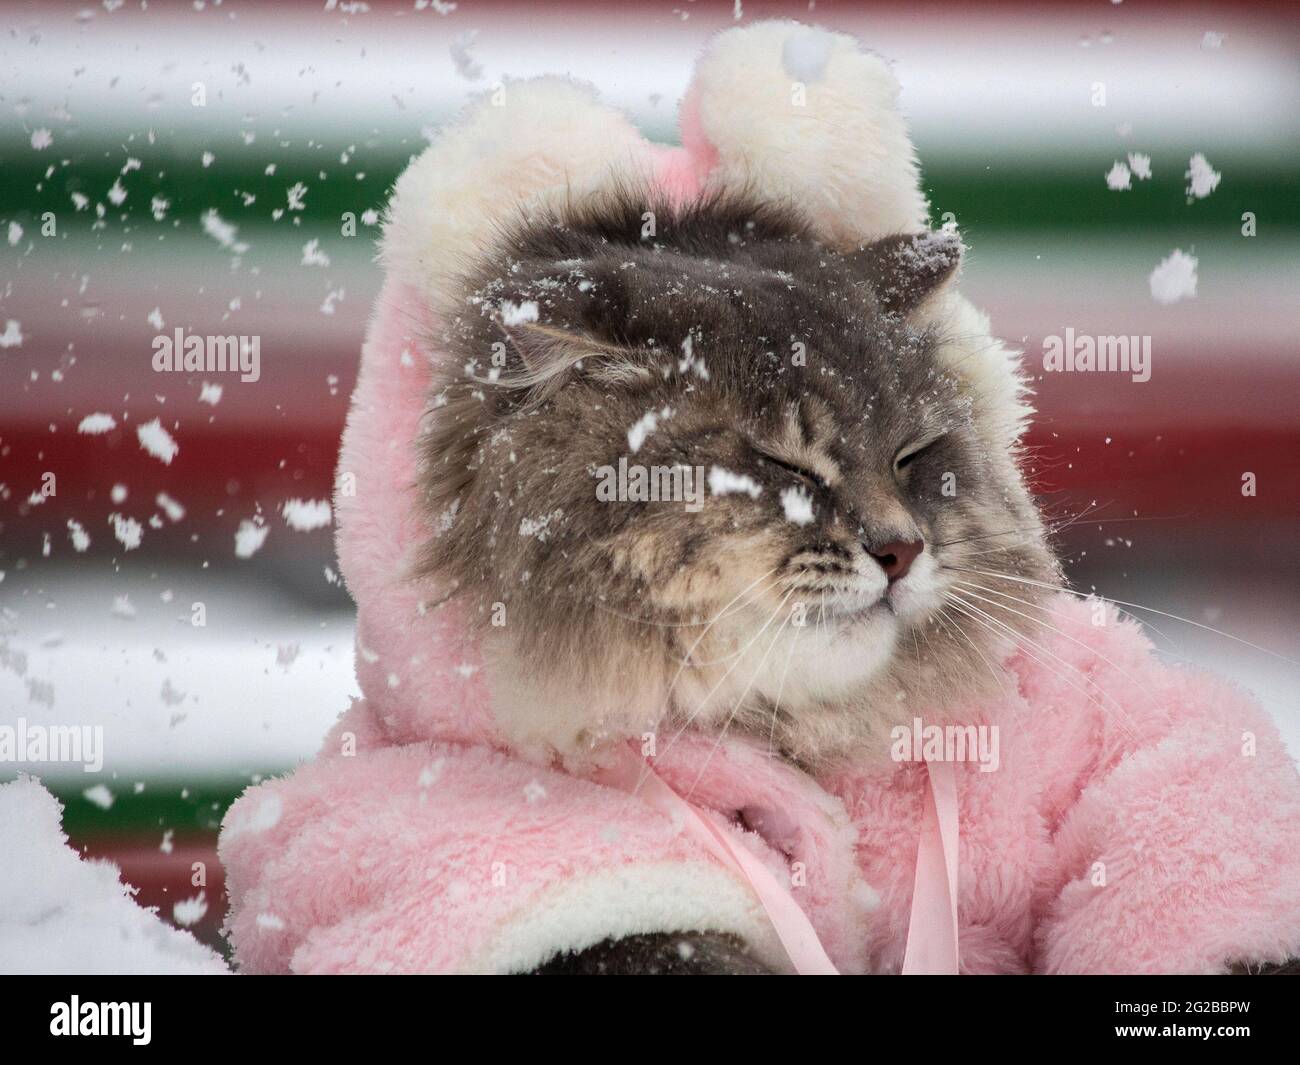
<point x="897" y="556"/>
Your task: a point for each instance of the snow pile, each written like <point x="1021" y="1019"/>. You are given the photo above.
<point x="59" y="914"/>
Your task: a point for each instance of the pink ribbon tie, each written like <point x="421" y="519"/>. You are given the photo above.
<point x="932" y="930"/>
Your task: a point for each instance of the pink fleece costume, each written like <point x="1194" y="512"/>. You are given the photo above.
<point x="1143" y="818"/>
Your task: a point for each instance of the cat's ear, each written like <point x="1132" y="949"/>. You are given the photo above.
<point x="907" y="269"/>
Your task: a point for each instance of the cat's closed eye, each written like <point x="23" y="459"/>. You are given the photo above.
<point x="790" y="467"/>
<point x="909" y="454"/>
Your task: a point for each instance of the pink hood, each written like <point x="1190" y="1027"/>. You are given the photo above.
<point x="1123" y="831"/>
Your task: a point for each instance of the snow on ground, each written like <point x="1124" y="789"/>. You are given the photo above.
<point x="60" y="914"/>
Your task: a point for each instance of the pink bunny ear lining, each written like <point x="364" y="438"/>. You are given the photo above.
<point x="678" y="174"/>
<point x="682" y="172"/>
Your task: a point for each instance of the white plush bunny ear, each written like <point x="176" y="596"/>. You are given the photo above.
<point x="526" y="144"/>
<point x="797" y="113"/>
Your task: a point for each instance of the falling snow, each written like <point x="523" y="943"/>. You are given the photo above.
<point x="465" y="64"/>
<point x="94" y="424"/>
<point x="190" y="911"/>
<point x="12" y="337"/>
<point x="78" y="535"/>
<point x="128" y="532"/>
<point x="312" y="254"/>
<point x="223" y="232"/>
<point x="100" y="796"/>
<point x="157" y="441"/>
<point x="1175" y="278"/>
<point x="173" y="510"/>
<point x="1202" y="179"/>
<point x="304" y="515"/>
<point x="1118" y="178"/>
<point x="249" y="537"/>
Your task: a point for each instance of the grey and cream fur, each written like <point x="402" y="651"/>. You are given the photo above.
<point x="818" y="389"/>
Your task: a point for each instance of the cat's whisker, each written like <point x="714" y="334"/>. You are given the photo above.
<point x="1055" y="526"/>
<point x="971" y="589"/>
<point x="1173" y="644"/>
<point x="723" y="679"/>
<point x="1029" y="654"/>
<point x="740" y="702"/>
<point x="987" y="536"/>
<point x="686" y="659"/>
<point x="1001" y="549"/>
<point x="752" y="601"/>
<point x="997" y="675"/>
<point x="682" y="624"/>
<point x="1020" y="639"/>
<point x="776" y="705"/>
<point x="1140" y="606"/>
<point x="1056" y="614"/>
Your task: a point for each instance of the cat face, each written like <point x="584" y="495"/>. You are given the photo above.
<point x="725" y="478"/>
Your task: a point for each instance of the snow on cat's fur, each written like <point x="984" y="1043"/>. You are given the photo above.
<point x="1127" y="828"/>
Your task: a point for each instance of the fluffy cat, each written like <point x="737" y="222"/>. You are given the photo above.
<point x="851" y="479"/>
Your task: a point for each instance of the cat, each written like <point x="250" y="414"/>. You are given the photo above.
<point x="851" y="477"/>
